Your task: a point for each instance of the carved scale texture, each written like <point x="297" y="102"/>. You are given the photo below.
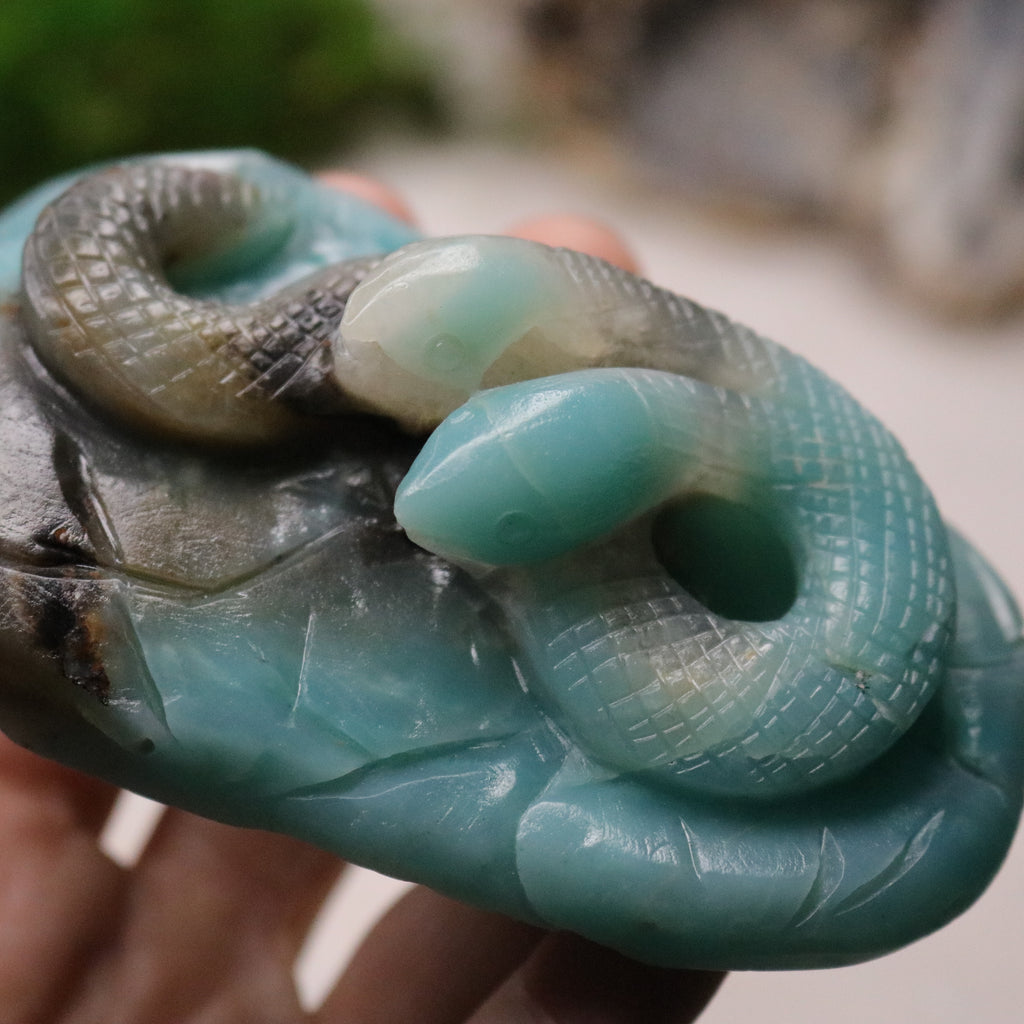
<point x="105" y="319"/>
<point x="274" y="653"/>
<point x="647" y="677"/>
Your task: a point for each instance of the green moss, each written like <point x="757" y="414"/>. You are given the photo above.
<point x="88" y="80"/>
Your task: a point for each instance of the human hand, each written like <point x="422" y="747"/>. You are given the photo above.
<point x="205" y="928"/>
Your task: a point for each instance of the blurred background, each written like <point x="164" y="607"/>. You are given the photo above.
<point x="847" y="176"/>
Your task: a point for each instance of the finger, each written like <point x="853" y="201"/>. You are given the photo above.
<point x="371" y="190"/>
<point x="85" y="801"/>
<point x="429" y="960"/>
<point x="571" y="231"/>
<point x="214" y="922"/>
<point x="569" y="980"/>
<point x="580" y="233"/>
<point x="59" y="895"/>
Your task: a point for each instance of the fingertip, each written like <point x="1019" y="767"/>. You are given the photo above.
<point x="571" y="231"/>
<point x="373" y="191"/>
<point x="50" y="785"/>
<point x="583" y="234"/>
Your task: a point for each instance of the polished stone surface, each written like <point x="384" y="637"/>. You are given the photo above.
<point x="347" y="713"/>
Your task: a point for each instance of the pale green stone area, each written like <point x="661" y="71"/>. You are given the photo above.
<point x="442" y="313"/>
<point x="276" y="652"/>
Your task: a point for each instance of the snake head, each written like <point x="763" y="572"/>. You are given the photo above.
<point x="533" y="471"/>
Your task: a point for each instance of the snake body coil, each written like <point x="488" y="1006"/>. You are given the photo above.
<point x="105" y="320"/>
<point x="646" y="675"/>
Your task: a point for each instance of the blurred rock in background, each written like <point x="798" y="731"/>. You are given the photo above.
<point x="902" y="120"/>
<point x="899" y="121"/>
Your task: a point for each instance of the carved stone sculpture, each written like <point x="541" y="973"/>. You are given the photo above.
<point x="667" y="645"/>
